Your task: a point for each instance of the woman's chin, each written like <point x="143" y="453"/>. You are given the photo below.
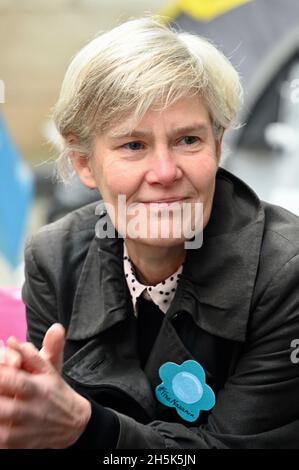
<point x="160" y="241"/>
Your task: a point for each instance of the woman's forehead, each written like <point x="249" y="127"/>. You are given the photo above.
<point x="186" y="113"/>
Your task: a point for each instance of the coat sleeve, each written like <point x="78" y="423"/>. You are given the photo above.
<point x="259" y="406"/>
<point x="39" y="297"/>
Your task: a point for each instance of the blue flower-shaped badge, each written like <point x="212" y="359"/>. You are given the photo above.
<point x="184" y="387"/>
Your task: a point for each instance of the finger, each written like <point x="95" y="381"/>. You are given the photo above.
<point x="13" y="411"/>
<point x="53" y="345"/>
<point x="31" y="360"/>
<point x="15" y="382"/>
<point x="12" y="342"/>
<point x="19" y="437"/>
<point x="10" y="357"/>
<point x="15" y="437"/>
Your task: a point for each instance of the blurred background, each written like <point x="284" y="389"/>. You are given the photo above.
<point x="38" y="38"/>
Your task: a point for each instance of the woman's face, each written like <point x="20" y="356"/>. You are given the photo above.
<point x="171" y="154"/>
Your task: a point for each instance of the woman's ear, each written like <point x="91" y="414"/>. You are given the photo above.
<point x="82" y="165"/>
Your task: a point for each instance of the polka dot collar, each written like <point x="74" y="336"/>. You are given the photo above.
<point x="161" y="294"/>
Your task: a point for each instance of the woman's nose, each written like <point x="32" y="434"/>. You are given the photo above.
<point x="163" y="168"/>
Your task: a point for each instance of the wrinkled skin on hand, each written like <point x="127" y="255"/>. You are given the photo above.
<point x="38" y="409"/>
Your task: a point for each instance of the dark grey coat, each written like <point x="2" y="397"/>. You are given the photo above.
<point x="235" y="311"/>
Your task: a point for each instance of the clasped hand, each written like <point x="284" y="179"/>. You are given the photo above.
<point x="38" y="409"/>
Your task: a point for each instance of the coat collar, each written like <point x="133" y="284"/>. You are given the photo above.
<point x="102" y="298"/>
<point x="217" y="282"/>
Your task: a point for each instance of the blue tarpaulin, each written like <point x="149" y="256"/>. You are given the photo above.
<point x="16" y="192"/>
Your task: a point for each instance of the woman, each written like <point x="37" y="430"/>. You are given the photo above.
<point x="169" y="343"/>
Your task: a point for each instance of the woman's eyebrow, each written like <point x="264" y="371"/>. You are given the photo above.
<point x="193" y="128"/>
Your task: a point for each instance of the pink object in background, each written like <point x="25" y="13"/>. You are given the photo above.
<point x="12" y="314"/>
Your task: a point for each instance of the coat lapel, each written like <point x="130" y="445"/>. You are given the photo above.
<point x="102" y="297"/>
<point x="167" y="348"/>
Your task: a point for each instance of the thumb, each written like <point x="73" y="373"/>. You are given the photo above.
<point x="53" y="345"/>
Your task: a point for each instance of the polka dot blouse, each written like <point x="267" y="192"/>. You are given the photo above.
<point x="161" y="294"/>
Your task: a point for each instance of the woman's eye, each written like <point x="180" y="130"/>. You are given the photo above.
<point x="133" y="146"/>
<point x="189" y="140"/>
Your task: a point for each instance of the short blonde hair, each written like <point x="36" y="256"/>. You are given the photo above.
<point x="136" y="65"/>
